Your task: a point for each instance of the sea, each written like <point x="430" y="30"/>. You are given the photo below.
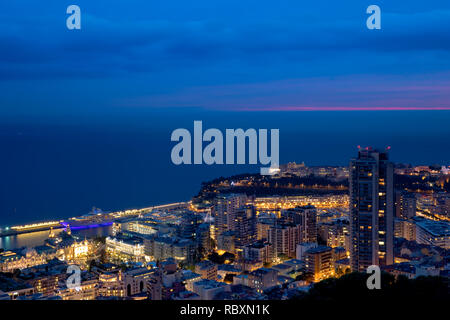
<point x="55" y="167"/>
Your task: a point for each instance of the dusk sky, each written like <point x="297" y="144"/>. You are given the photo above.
<point x="86" y="115"/>
<point x="222" y="55"/>
<point x="154" y="110"/>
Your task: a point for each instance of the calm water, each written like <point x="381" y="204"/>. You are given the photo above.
<point x="38" y="238"/>
<point x="62" y="167"/>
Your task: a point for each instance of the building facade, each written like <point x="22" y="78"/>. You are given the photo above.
<point x="371" y="209"/>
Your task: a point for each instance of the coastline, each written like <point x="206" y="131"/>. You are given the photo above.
<point x="103" y="220"/>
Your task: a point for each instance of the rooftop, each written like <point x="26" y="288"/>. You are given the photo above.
<point x="209" y="284"/>
<point x="8" y="284"/>
<point x="319" y="249"/>
<point x="436" y="228"/>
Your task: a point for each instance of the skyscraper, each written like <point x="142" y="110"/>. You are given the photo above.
<point x="371" y="209"/>
<point x="189" y="224"/>
<point x="284" y="239"/>
<point x="306" y="216"/>
<point x="225" y="210"/>
<point x="245" y="226"/>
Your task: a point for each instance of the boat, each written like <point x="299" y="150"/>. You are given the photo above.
<point x="95" y="218"/>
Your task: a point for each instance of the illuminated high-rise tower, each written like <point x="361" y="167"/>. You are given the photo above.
<point x="371" y="209"/>
<point x="225" y="209"/>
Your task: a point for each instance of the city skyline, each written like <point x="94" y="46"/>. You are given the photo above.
<point x="220" y="159"/>
<point x="229" y="244"/>
<point x="39" y="218"/>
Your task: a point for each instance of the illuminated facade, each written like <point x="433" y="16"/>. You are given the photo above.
<point x="259" y="279"/>
<point x="74" y="251"/>
<point x="11" y="260"/>
<point x="371" y="209"/>
<point x="244" y="227"/>
<point x="260" y="251"/>
<point x="287" y="202"/>
<point x="207" y="270"/>
<point x="87" y="290"/>
<point x="135" y="281"/>
<point x="284" y="239"/>
<point x="436" y="233"/>
<point x="124" y="248"/>
<point x="111" y="283"/>
<point x="319" y="263"/>
<point x="225" y="209"/>
<point x="306" y="217"/>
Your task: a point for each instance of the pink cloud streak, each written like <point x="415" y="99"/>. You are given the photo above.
<point x="343" y="93"/>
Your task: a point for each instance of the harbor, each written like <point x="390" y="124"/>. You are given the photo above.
<point x="94" y="219"/>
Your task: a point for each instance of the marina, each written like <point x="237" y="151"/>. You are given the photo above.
<point x="35" y="233"/>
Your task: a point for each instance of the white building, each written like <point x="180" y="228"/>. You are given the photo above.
<point x="121" y="246"/>
<point x="436" y="233"/>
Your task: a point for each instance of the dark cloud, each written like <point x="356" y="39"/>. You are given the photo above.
<point x="105" y="45"/>
<point x="177" y="44"/>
